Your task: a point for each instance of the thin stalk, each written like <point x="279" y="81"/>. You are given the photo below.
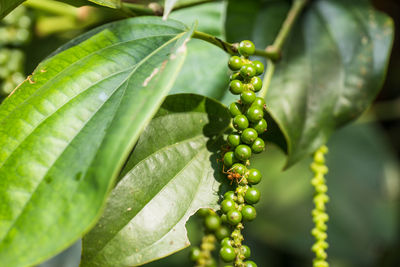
<point x="227" y="47"/>
<point x="294" y="12"/>
<point x="267" y="78"/>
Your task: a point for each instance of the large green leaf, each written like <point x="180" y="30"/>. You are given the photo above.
<point x="171" y="173"/>
<point x="67" y="130"/>
<point x="6" y="6"/>
<point x="333" y="65"/>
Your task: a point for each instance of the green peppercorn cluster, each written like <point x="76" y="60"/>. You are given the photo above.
<point x="248" y="120"/>
<point x="320" y="217"/>
<point x="14" y="32"/>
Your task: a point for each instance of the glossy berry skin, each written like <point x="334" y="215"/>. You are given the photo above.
<point x="259" y="67"/>
<point x="249" y="135"/>
<point x="240" y="122"/>
<point x="257" y="83"/>
<point x="229" y="195"/>
<point x="245" y="251"/>
<point x="249" y="213"/>
<point x="239" y="168"/>
<point x="246" y="48"/>
<point x="227" y="253"/>
<point x="255" y="114"/>
<point x="229" y="159"/>
<point x="226" y="242"/>
<point x="242" y="152"/>
<point x="259" y="101"/>
<point x="258" y="146"/>
<point x="212" y="222"/>
<point x="227" y="205"/>
<point x="235" y="63"/>
<point x="260" y="126"/>
<point x="250" y="264"/>
<point x="222" y="232"/>
<point x="254" y="176"/>
<point x="247" y="71"/>
<point x="203" y="212"/>
<point x="247" y="97"/>
<point x="252" y="196"/>
<point x="234" y="109"/>
<point x="194" y="254"/>
<point x="234" y="139"/>
<point x="236" y="87"/>
<point x="234" y="217"/>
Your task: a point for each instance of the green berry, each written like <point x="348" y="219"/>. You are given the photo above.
<point x="203" y="212"/>
<point x="245" y="251"/>
<point x="242" y="152"/>
<point x="228" y="266"/>
<point x="240" y="122"/>
<point x="235" y="76"/>
<point x="239" y="168"/>
<point x="227" y="253"/>
<point x="246" y="48"/>
<point x="250" y="264"/>
<point x="247" y="71"/>
<point x="224" y="219"/>
<point x="234" y="109"/>
<point x="234" y="217"/>
<point x="226" y="242"/>
<point x="212" y="222"/>
<point x="222" y="232"/>
<point x="227" y="205"/>
<point x="211" y="263"/>
<point x="235" y="63"/>
<point x="247" y="97"/>
<point x="258" y="146"/>
<point x="260" y="126"/>
<point x="249" y="135"/>
<point x="234" y="139"/>
<point x="257" y="83"/>
<point x="229" y="159"/>
<point x="255" y="113"/>
<point x="259" y="101"/>
<point x="259" y="67"/>
<point x="229" y="195"/>
<point x="254" y="176"/>
<point x="249" y="213"/>
<point x="194" y="254"/>
<point x="252" y="196"/>
<point x="236" y="87"/>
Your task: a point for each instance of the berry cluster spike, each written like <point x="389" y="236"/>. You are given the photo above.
<point x="320" y="217"/>
<point x="248" y="120"/>
<point x="14" y="32"/>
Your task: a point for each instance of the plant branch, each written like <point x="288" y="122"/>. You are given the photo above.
<point x="227" y="47"/>
<point x="275" y="50"/>
<point x="294" y="12"/>
<point x="54" y="7"/>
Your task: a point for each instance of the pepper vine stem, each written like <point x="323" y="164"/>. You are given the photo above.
<point x="227" y="47"/>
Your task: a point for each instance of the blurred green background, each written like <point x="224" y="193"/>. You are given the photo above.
<point x="364" y="179"/>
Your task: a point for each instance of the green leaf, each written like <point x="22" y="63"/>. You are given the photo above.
<point x="171" y="173"/>
<point x="205" y="70"/>
<point x="168" y="6"/>
<point x="6" y="6"/>
<point x="67" y="130"/>
<point x="333" y="64"/>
